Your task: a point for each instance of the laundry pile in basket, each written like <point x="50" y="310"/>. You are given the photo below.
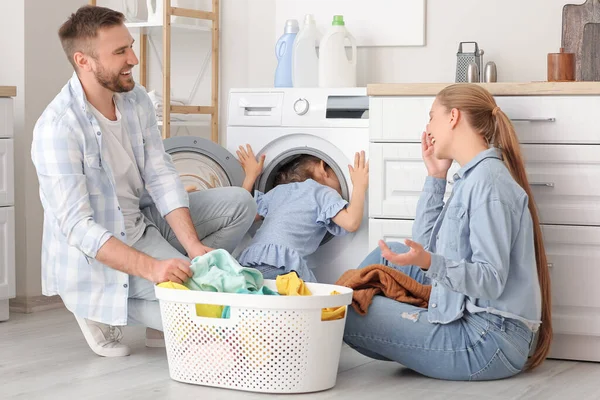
<point x="218" y="271"/>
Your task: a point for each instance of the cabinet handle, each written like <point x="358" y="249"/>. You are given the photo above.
<point x="551" y="119"/>
<point x="550" y="265"/>
<point x="546" y="184"/>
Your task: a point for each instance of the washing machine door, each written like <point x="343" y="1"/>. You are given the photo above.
<point x="281" y="151"/>
<point x="203" y="164"/>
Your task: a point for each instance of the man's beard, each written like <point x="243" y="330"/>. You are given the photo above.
<point x="113" y="82"/>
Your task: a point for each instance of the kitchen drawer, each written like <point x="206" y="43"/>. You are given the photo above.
<point x="6" y="117"/>
<point x="398" y="119"/>
<point x="565" y="181"/>
<point x="7" y="175"/>
<point x="537" y="119"/>
<point x="396" y="177"/>
<point x="7" y="253"/>
<point x="554" y="119"/>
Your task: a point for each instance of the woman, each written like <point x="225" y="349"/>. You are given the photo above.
<point x="482" y="252"/>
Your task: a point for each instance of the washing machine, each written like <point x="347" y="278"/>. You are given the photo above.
<point x="331" y="124"/>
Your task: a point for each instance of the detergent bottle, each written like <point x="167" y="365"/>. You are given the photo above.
<point x="305" y="62"/>
<point x="335" y="69"/>
<point x="283" y="51"/>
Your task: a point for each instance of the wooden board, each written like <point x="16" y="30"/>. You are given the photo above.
<point x="590" y="57"/>
<point x="496" y="89"/>
<point x="575" y="16"/>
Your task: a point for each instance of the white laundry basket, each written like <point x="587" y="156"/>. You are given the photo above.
<point x="270" y="344"/>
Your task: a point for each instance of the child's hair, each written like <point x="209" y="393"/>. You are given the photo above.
<point x="298" y="169"/>
<point x="482" y="113"/>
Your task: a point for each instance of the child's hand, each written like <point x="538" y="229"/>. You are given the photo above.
<point x="360" y="173"/>
<point x="251" y="167"/>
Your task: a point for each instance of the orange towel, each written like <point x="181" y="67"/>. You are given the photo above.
<point x="378" y="279"/>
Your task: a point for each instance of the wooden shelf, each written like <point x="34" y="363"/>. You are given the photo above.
<point x="167" y="25"/>
<point x="187" y="123"/>
<point x="148" y="27"/>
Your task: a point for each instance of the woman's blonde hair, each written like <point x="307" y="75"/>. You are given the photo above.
<point x="481" y="112"/>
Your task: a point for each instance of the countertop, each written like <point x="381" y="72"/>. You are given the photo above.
<point x="497" y="89"/>
<point x="8" y="91"/>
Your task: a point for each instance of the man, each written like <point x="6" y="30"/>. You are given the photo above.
<point x="117" y="219"/>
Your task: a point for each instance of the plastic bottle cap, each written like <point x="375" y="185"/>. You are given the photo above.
<point x="338" y="20"/>
<point x="309" y="19"/>
<point x="291" y="26"/>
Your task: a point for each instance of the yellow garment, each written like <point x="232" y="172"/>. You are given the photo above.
<point x="291" y="285"/>
<point x="202" y="310"/>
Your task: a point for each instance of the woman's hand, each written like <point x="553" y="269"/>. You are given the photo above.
<point x="417" y="255"/>
<point x="435" y="167"/>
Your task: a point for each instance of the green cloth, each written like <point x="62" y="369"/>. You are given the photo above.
<point x="218" y="271"/>
<point x="263" y="291"/>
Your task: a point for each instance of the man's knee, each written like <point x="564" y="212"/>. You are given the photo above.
<point x="242" y="202"/>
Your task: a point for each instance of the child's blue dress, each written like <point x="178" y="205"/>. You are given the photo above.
<point x="297" y="217"/>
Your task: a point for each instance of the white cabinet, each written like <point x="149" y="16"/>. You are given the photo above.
<point x="560" y="141"/>
<point x="7" y="176"/>
<point x="7" y="210"/>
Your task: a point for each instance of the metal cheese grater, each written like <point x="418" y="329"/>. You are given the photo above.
<point x="464" y="59"/>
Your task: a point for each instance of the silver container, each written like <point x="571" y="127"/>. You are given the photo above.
<point x="472" y="73"/>
<point x="491" y="72"/>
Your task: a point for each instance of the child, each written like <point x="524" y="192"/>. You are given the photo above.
<point x="304" y="205"/>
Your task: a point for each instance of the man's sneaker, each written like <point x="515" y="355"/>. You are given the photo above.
<point x="104" y="340"/>
<point x="154" y="338"/>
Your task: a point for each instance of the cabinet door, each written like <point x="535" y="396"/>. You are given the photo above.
<point x="7" y="174"/>
<point x="398" y="119"/>
<point x="6" y="117"/>
<point x="574" y="260"/>
<point x="389" y="230"/>
<point x="396" y="177"/>
<point x="565" y="181"/>
<point x="7" y="253"/>
<point x="554" y="119"/>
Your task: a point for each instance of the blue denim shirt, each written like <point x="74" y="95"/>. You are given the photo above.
<point x="482" y="244"/>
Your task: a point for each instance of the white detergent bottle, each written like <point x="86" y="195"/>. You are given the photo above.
<point x="305" y="62"/>
<point x="335" y="69"/>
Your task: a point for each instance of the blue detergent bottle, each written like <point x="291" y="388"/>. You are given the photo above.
<point x="283" y="52"/>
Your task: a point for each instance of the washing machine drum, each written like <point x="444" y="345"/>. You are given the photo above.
<point x="203" y="164"/>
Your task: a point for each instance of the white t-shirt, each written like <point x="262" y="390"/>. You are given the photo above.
<point x="118" y="155"/>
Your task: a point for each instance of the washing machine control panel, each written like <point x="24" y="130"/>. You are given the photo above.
<point x="301" y="106"/>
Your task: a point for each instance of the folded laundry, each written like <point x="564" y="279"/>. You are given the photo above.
<point x="379" y="279"/>
<point x="292" y="285"/>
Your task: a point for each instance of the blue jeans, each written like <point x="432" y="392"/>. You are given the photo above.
<point x="479" y="346"/>
<point x="221" y="217"/>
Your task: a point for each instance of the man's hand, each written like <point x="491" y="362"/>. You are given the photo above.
<point x="198" y="250"/>
<point x="172" y="270"/>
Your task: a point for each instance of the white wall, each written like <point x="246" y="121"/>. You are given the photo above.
<point x="515" y="34"/>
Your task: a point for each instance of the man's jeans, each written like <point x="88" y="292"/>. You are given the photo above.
<point x="221" y="216"/>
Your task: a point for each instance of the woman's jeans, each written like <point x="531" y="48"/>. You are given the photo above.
<point x="479" y="346"/>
